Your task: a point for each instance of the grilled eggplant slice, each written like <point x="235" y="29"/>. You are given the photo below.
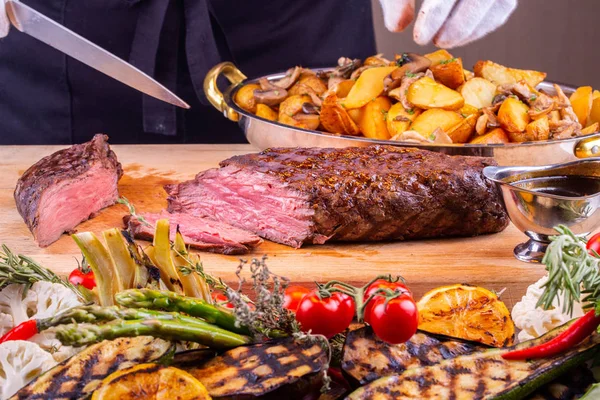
<point x="481" y="375"/>
<point x="366" y="357"/>
<point x="80" y="375"/>
<point x="279" y="369"/>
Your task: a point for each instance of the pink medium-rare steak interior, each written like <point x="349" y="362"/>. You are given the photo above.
<point x="67" y="187"/>
<point x="248" y="200"/>
<point x="200" y="233"/>
<point x="70" y="202"/>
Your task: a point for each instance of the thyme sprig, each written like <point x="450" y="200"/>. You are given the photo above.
<point x="20" y="269"/>
<point x="571" y="272"/>
<point x="123" y="200"/>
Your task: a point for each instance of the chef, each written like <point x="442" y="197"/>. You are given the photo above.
<point x="47" y="97"/>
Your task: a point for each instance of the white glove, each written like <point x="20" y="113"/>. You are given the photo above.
<point x="449" y="23"/>
<point x="4" y="22"/>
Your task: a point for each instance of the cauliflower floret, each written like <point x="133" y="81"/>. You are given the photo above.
<point x="48" y="342"/>
<point x="6" y="323"/>
<point x="535" y="321"/>
<point x="43" y="299"/>
<point x="20" y="362"/>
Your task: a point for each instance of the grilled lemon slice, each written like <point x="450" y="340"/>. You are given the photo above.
<point x="467" y="312"/>
<point x="151" y="382"/>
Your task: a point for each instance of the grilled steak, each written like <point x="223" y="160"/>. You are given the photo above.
<point x="200" y="233"/>
<point x="309" y="195"/>
<point x="282" y="369"/>
<point x="68" y="187"/>
<point x="366" y="357"/>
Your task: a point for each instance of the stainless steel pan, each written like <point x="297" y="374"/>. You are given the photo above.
<point x="264" y="134"/>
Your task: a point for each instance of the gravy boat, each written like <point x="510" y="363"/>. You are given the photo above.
<point x="539" y="198"/>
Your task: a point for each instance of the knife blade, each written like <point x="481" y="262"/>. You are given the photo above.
<point x="37" y="25"/>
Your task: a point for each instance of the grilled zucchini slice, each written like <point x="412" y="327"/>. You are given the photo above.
<point x="366" y="357"/>
<point x="278" y="369"/>
<point x="482" y="375"/>
<point x="80" y="375"/>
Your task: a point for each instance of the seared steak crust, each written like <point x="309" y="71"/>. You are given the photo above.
<point x="368" y="193"/>
<point x="68" y="164"/>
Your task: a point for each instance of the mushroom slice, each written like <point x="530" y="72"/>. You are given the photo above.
<point x="481" y="125"/>
<point x="564" y="130"/>
<point x="310" y="108"/>
<point x="270" y="97"/>
<point x="540" y="106"/>
<point x="400" y="92"/>
<point x="566" y="110"/>
<point x="410" y="63"/>
<point x="492" y="120"/>
<point x="266" y="84"/>
<point x="290" y="78"/>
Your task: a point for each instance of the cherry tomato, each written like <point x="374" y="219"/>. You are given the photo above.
<point x="325" y="316"/>
<point x="382" y="284"/>
<point x="221" y="300"/>
<point x="394" y="322"/>
<point x="594" y="244"/>
<point x="293" y="295"/>
<point x="82" y="277"/>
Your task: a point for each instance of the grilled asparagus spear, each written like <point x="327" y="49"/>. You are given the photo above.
<point x="198" y="332"/>
<point x="169" y="301"/>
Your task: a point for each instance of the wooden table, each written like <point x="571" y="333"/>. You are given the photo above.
<point x="487" y="260"/>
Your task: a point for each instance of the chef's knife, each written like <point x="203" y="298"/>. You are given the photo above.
<point x="31" y="22"/>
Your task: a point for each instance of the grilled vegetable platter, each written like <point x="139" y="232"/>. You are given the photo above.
<point x="151" y="323"/>
<point x="427" y="98"/>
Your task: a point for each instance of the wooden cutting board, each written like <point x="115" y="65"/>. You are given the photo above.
<point x="486" y="260"/>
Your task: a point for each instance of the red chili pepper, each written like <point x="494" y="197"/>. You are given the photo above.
<point x="577" y="332"/>
<point x="24" y="331"/>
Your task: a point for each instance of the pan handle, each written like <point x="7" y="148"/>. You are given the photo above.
<point x="212" y="92"/>
<point x="589" y="147"/>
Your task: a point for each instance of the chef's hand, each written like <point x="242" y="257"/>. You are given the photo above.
<point x="449" y="23"/>
<point x="4" y="22"/>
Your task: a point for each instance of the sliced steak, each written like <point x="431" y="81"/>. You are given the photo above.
<point x="309" y="195"/>
<point x="199" y="233"/>
<point x="68" y="187"/>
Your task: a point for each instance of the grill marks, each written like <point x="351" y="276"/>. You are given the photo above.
<point x="261" y="369"/>
<point x="367" y="358"/>
<point x="476" y="376"/>
<point x="79" y="376"/>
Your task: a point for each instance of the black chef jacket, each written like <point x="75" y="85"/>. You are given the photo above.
<point x="47" y="97"/>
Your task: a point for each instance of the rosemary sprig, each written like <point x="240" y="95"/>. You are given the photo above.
<point x="20" y="269"/>
<point x="123" y="200"/>
<point x="571" y="271"/>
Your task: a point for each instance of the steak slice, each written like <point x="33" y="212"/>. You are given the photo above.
<point x="199" y="233"/>
<point x="68" y="187"/>
<point x="312" y="195"/>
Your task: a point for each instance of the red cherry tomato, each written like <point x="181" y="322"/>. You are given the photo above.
<point x="293" y="295"/>
<point x="82" y="277"/>
<point x="221" y="300"/>
<point x="382" y="284"/>
<point x="325" y="316"/>
<point x="594" y="244"/>
<point x="394" y="322"/>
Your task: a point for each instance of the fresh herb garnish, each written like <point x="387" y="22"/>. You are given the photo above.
<point x="402" y="59"/>
<point x="409" y="111"/>
<point x="533" y="98"/>
<point x="451" y="60"/>
<point x="410" y="75"/>
<point x="123" y="200"/>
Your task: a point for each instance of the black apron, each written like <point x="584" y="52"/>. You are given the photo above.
<point x="49" y="98"/>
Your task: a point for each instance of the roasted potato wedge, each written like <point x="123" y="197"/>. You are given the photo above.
<point x="343" y="88"/>
<point x="468" y="109"/>
<point x="245" y="97"/>
<point x="335" y="118"/>
<point x="266" y="112"/>
<point x="429" y="120"/>
<point x="427" y="93"/>
<point x="500" y="75"/>
<point x="595" y="111"/>
<point x="368" y="86"/>
<point x="291" y="108"/>
<point x="399" y="119"/>
<point x="593" y="128"/>
<point x="582" y="100"/>
<point x="312" y="81"/>
<point x="496" y="136"/>
<point x="513" y="116"/>
<point x="373" y="120"/>
<point x="438" y="56"/>
<point x="449" y="72"/>
<point x="478" y="92"/>
<point x="462" y="132"/>
<point x="356" y="114"/>
<point x="535" y="130"/>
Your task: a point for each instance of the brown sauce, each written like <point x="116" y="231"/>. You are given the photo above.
<point x="568" y="186"/>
